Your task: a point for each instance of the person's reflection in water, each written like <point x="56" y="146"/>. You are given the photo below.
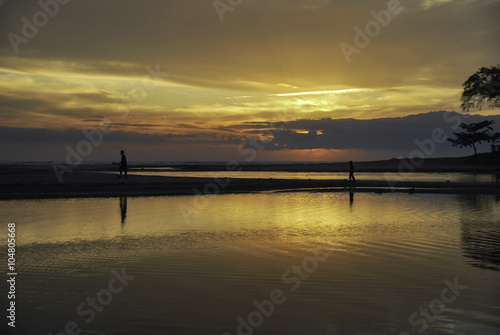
<point x="351" y="172"/>
<point x="123" y="209"/>
<point x="351" y="197"/>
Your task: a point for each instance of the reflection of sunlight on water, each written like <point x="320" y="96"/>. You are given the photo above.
<point x="296" y="213"/>
<point x="389" y="254"/>
<point x="415" y="176"/>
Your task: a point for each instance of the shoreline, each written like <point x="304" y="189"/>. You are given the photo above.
<point x="449" y="164"/>
<point x="40" y="182"/>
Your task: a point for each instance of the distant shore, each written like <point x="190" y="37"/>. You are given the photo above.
<point x="34" y="182"/>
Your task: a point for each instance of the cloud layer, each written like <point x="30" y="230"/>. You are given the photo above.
<point x="291" y="139"/>
<point x="263" y="43"/>
<point x="91" y="59"/>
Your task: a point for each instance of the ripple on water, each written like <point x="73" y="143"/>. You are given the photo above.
<point x="388" y="255"/>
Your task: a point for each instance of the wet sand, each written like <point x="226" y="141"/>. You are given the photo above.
<point x="25" y="182"/>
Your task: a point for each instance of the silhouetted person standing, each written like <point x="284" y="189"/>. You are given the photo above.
<point x="123" y="164"/>
<point x="351" y="172"/>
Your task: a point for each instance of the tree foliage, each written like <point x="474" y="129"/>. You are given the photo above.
<point x="482" y="88"/>
<point x="474" y="133"/>
<point x="495" y="138"/>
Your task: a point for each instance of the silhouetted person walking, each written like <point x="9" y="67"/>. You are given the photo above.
<point x="351" y="172"/>
<point x="123" y="164"/>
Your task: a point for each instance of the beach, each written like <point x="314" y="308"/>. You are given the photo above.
<point x="101" y="180"/>
<point x="207" y="248"/>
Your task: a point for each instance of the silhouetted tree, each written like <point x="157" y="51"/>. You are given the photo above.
<point x="495" y="138"/>
<point x="473" y="133"/>
<point x="482" y="87"/>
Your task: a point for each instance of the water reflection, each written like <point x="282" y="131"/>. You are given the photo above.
<point x="388" y="254"/>
<point x="414" y="176"/>
<point x="123" y="210"/>
<point x="480" y="232"/>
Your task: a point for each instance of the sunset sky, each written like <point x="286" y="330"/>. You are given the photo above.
<point x="180" y="84"/>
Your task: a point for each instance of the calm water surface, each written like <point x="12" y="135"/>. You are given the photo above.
<point x="415" y="176"/>
<point x="315" y="263"/>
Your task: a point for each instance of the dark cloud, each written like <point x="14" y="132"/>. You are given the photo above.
<point x="188" y="126"/>
<point x="391" y="135"/>
<point x="13" y="136"/>
<point x="138" y="125"/>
